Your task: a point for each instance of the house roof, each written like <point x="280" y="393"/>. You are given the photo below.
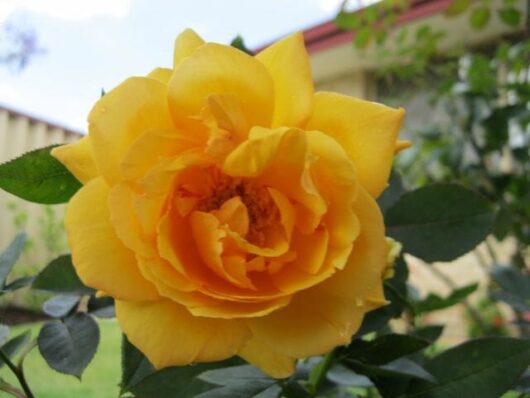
<point x="327" y="34"/>
<point x="35" y="119"/>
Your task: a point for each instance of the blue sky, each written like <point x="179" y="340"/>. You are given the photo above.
<point x="96" y="44"/>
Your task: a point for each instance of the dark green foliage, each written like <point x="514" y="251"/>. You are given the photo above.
<point x="59" y="306"/>
<point x="513" y="287"/>
<point x="134" y="365"/>
<point x="14" y="345"/>
<point x="68" y="346"/>
<point x="10" y="256"/>
<point x="440" y="222"/>
<point x="239" y="43"/>
<point x="177" y="381"/>
<point x="383" y="349"/>
<point x="59" y="276"/>
<point x="243" y="381"/>
<point x="38" y="177"/>
<point x="434" y="302"/>
<point x="483" y="368"/>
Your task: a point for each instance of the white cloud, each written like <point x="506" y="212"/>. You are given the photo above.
<point x="331" y="6"/>
<point x="67" y="9"/>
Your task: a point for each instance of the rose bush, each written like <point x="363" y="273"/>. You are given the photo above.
<point x="230" y="210"/>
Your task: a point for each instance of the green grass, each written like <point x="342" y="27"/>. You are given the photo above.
<point x="100" y="379"/>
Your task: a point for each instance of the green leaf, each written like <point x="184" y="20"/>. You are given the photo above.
<point x="233" y="374"/>
<point x="392" y="193"/>
<point x="239" y="43"/>
<point x="134" y="365"/>
<point x="11" y="348"/>
<point x="440" y="222"/>
<point x="19" y="283"/>
<point x="244" y="381"/>
<point x="340" y="374"/>
<point x="10" y="256"/>
<point x="514" y="287"/>
<point x="38" y="177"/>
<point x="480" y="17"/>
<point x="457" y="7"/>
<point x="402" y="368"/>
<point x="523" y="384"/>
<point x="102" y="307"/>
<point x="383" y="349"/>
<point x="69" y="346"/>
<point x="293" y="389"/>
<point x="433" y="302"/>
<point x="348" y="20"/>
<point x="59" y="306"/>
<point x="4" y="333"/>
<point x="430" y="333"/>
<point x="255" y="391"/>
<point x="484" y="368"/>
<point x="178" y="381"/>
<point x="59" y="276"/>
<point x="510" y="16"/>
<point x="362" y="38"/>
<point x="370" y="15"/>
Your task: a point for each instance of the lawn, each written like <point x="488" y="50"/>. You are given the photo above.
<point x="100" y="379"/>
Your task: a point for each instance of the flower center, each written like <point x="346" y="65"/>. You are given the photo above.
<point x="261" y="210"/>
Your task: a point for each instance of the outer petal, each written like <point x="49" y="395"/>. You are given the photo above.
<point x="368" y="132"/>
<point x="218" y="69"/>
<point x="78" y="158"/>
<point x="137" y="105"/>
<point x="288" y="64"/>
<point x="361" y="279"/>
<point x="185" y="44"/>
<point x="161" y="74"/>
<point x="169" y="335"/>
<point x="100" y="259"/>
<point x="267" y="359"/>
<point x="334" y="309"/>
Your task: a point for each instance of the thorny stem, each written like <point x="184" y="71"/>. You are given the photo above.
<point x="19" y="374"/>
<point x="481" y="322"/>
<point x="319" y="373"/>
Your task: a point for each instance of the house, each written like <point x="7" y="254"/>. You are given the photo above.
<point x="339" y="66"/>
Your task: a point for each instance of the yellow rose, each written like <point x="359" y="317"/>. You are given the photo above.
<point x="230" y="210"/>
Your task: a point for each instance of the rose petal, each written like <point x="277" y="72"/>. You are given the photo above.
<point x="100" y="258"/>
<point x="332" y="310"/>
<point x="218" y="69"/>
<point x="185" y="44"/>
<point x="267" y="359"/>
<point x="288" y="64"/>
<point x="366" y="130"/>
<point x="136" y="106"/>
<point x="78" y="158"/>
<point x="170" y="336"/>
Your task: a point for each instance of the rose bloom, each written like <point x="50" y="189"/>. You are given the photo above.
<point x="230" y="210"/>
